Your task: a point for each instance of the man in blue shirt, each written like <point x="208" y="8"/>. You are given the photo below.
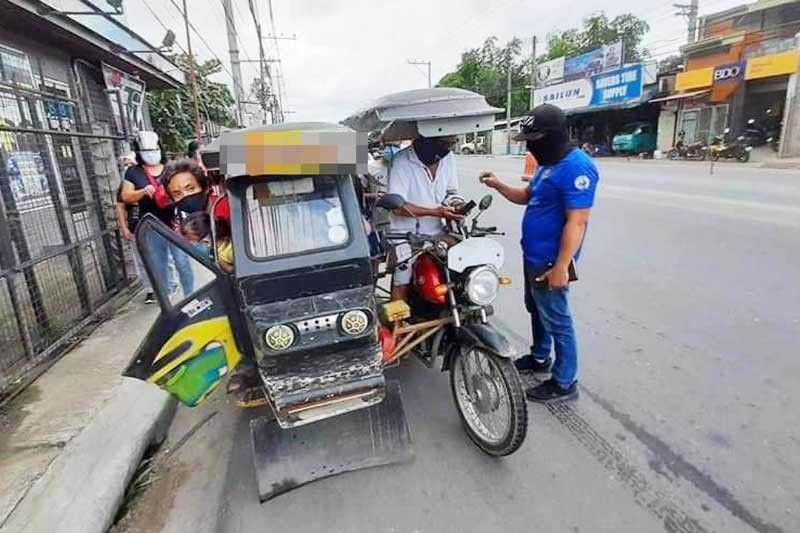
<point x="559" y="199"/>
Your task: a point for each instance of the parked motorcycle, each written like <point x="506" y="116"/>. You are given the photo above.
<point x="692" y="151"/>
<point x="722" y="148"/>
<point x="755" y="134"/>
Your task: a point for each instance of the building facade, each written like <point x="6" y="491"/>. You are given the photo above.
<point x="741" y="69"/>
<point x="71" y="97"/>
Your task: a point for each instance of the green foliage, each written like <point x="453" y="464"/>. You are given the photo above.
<point x="485" y="71"/>
<point x="597" y="31"/>
<point x="172" y="111"/>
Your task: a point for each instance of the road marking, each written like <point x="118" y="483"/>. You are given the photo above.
<point x="676" y="520"/>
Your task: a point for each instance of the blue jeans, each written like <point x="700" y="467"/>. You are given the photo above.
<point x="160" y="250"/>
<point x="551" y="324"/>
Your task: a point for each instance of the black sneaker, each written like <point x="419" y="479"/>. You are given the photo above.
<point x="550" y="391"/>
<point x="149" y="298"/>
<point x="529" y="365"/>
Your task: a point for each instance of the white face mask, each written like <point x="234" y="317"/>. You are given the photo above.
<point x="151" y="157"/>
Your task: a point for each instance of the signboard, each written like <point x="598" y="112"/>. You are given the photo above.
<point x="550" y="72"/>
<point x="568" y="95"/>
<point x="694" y="79"/>
<point x="732" y="72"/>
<point x="771" y="65"/>
<point x="617" y="87"/>
<point x="131" y="92"/>
<point x="594" y="62"/>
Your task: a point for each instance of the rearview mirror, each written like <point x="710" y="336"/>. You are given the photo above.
<point x="391" y="201"/>
<point x="486" y="202"/>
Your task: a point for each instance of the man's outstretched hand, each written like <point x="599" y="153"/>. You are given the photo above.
<point x="488" y="178"/>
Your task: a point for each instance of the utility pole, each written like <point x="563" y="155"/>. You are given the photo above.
<point x="533" y="72"/>
<point x="690" y="12"/>
<point x="508" y="106"/>
<point x="236" y="68"/>
<point x="428" y="64"/>
<point x="192" y="77"/>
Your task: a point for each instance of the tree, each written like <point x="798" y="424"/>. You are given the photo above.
<point x="172" y="111"/>
<point x="597" y="31"/>
<point x="670" y="63"/>
<point x="485" y="71"/>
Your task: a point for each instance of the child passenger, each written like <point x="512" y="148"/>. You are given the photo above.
<point x="196" y="228"/>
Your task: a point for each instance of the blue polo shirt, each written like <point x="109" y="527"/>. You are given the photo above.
<point x="569" y="184"/>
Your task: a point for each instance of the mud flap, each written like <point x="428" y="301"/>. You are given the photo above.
<point x="288" y="458"/>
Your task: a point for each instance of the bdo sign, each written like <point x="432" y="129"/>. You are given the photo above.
<point x="730" y="72"/>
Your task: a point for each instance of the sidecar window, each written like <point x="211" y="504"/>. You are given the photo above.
<point x="174" y="273"/>
<point x="293" y="216"/>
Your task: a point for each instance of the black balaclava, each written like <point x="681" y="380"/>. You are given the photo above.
<point x="431" y="150"/>
<point x="551" y="148"/>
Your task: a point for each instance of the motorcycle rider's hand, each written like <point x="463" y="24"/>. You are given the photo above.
<point x="448" y="213"/>
<point x="150" y="191"/>
<point x="489" y="179"/>
<point x="557" y="277"/>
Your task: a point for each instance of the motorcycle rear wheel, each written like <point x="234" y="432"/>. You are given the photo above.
<point x="744" y="157"/>
<point x="673" y="155"/>
<point x="490" y="400"/>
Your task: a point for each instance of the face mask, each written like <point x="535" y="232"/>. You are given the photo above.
<point x="389" y="152"/>
<point x="203" y="248"/>
<point x="151" y="157"/>
<point x="192" y="204"/>
<point x="551" y="148"/>
<point x="431" y="151"/>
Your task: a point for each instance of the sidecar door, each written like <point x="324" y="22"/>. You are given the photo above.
<point x="191" y="345"/>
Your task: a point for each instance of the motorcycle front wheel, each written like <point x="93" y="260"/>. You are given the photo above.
<point x="490" y="399"/>
<point x="744" y="157"/>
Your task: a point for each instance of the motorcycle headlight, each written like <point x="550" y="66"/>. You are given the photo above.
<point x="279" y="337"/>
<point x="354" y="322"/>
<point x="482" y="285"/>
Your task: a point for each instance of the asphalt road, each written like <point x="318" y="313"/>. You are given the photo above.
<point x="688" y="315"/>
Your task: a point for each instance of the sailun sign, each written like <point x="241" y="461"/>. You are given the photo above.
<point x="620" y="86"/>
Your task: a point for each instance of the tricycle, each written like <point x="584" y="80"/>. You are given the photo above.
<point x="304" y="301"/>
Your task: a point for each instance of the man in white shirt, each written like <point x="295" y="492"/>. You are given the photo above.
<point x="425" y="175"/>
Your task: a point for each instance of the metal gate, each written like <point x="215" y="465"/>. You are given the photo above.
<point x="60" y="251"/>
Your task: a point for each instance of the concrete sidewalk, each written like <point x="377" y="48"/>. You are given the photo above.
<point x="70" y="443"/>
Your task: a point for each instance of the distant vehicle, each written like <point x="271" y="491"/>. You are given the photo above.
<point x="635" y="138"/>
<point x="471" y="148"/>
<point x="724" y="148"/>
<point x="682" y="150"/>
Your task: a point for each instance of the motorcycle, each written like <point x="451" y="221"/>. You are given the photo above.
<point x="681" y="150"/>
<point x="754" y="134"/>
<point x="446" y="324"/>
<point x="722" y="148"/>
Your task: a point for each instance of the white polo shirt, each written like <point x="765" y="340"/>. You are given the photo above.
<point x="411" y="179"/>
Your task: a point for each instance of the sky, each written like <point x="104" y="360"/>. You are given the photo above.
<point x="348" y="52"/>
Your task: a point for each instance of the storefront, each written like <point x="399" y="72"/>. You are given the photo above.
<point x="601" y="105"/>
<point x="729" y="95"/>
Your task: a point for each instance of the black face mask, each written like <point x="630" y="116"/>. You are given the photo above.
<point x="431" y="151"/>
<point x="551" y="148"/>
<point x="192" y="204"/>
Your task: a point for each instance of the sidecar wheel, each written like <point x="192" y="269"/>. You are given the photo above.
<point x="490" y="400"/>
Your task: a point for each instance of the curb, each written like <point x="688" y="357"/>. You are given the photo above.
<point x="83" y="488"/>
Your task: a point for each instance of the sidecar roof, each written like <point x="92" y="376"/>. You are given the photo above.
<point x="436" y="112"/>
<point x="293" y="149"/>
